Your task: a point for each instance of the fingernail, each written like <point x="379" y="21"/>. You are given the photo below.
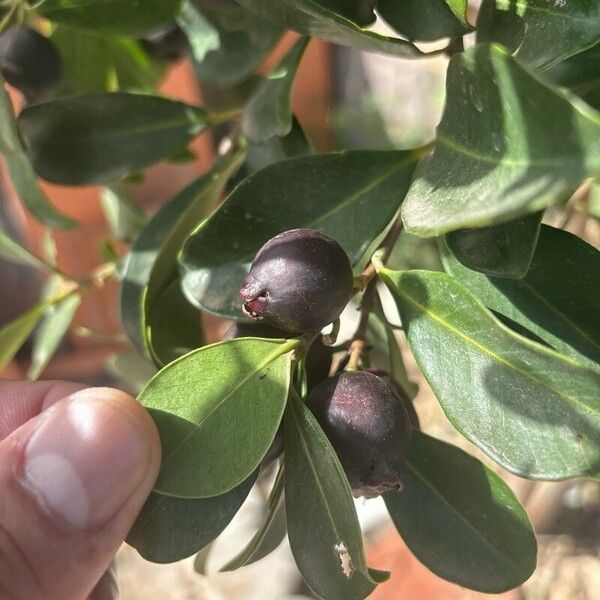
<point x="86" y="458"/>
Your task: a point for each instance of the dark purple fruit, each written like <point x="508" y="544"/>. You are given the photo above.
<point x="300" y="280"/>
<point x="369" y="428"/>
<point x="318" y="358"/>
<point x="30" y="62"/>
<point x="169" y="44"/>
<point x="408" y="403"/>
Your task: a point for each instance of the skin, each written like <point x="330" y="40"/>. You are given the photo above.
<point x="96" y="447"/>
<point x="368" y="426"/>
<point x="300" y="281"/>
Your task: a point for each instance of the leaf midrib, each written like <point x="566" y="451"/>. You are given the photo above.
<point x="460" y="515"/>
<point x="488" y="351"/>
<point x="268" y="360"/>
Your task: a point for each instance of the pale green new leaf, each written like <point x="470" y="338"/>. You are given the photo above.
<point x="217" y="410"/>
<point x="14" y="334"/>
<point x="54" y="326"/>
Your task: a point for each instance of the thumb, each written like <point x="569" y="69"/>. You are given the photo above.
<point x="72" y="481"/>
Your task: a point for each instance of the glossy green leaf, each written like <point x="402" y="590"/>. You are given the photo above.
<point x="426" y="20"/>
<point x="227" y="45"/>
<point x="14" y="252"/>
<point x="125" y="218"/>
<point x="173" y="327"/>
<point x="140" y="260"/>
<point x="314" y="18"/>
<point x="539" y="146"/>
<point x="557" y="299"/>
<point x="323" y="528"/>
<point x="171" y="322"/>
<point x="270" y="534"/>
<point x="129" y="17"/>
<point x="526" y="27"/>
<point x="503" y="250"/>
<point x="170" y="529"/>
<point x="21" y="172"/>
<point x="357" y="11"/>
<point x="533" y="411"/>
<point x="461" y="520"/>
<point x="352" y="196"/>
<point x="269" y="112"/>
<point x="52" y="329"/>
<point x="14" y="334"/>
<point x="581" y="74"/>
<point x="119" y="63"/>
<point x="100" y="138"/>
<point x="217" y="410"/>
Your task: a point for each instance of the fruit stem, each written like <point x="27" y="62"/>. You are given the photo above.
<point x="369" y="279"/>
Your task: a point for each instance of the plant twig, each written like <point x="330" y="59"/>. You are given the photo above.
<point x="384" y="251"/>
<point x="357" y="346"/>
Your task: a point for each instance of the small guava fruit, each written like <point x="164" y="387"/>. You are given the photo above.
<point x="368" y="426"/>
<point x="299" y="281"/>
<point x="408" y="403"/>
<point x="170" y="45"/>
<point x="30" y="62"/>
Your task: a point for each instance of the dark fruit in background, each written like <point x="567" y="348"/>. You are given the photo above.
<point x="368" y="426"/>
<point x="169" y="44"/>
<point x="408" y="403"/>
<point x="30" y="63"/>
<point x="299" y="281"/>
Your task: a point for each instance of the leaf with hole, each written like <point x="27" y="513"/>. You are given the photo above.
<point x="461" y="520"/>
<point x="352" y="196"/>
<point x="217" y="410"/>
<point x="323" y="528"/>
<point x="170" y="529"/>
<point x="553" y="300"/>
<point x="100" y="138"/>
<point x="540" y="144"/>
<point x="533" y="411"/>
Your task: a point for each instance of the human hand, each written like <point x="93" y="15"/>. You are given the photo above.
<point x="76" y="466"/>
